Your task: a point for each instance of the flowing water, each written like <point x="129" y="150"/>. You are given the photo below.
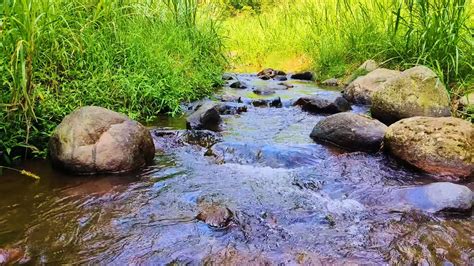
<point x="289" y="200"/>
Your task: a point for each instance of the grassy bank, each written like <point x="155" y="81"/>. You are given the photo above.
<point x="333" y="37"/>
<point x="136" y="57"/>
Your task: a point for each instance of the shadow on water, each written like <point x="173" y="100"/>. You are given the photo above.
<point x="292" y="201"/>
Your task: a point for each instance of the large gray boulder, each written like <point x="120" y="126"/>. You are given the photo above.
<point x="361" y="89"/>
<point x="205" y="117"/>
<point x="416" y="92"/>
<point x="439" y="145"/>
<point x="95" y="140"/>
<point x="350" y="131"/>
<point x="324" y="103"/>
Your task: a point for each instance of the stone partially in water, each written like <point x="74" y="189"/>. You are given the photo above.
<point x="237" y="85"/>
<point x="350" y="131"/>
<point x="94" y="140"/>
<point x="214" y="214"/>
<point x="272" y="102"/>
<point x="264" y="91"/>
<point x="443" y="146"/>
<point x="269" y="73"/>
<point x="228" y="76"/>
<point x="205" y="117"/>
<point x="303" y="76"/>
<point x="435" y="197"/>
<point x="362" y="88"/>
<point x="231" y="108"/>
<point x="416" y="92"/>
<point x="11" y="256"/>
<point x="324" y="103"/>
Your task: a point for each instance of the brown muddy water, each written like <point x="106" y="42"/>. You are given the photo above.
<point x="286" y="200"/>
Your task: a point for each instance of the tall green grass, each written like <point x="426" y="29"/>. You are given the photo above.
<point x="140" y="58"/>
<point x="337" y="35"/>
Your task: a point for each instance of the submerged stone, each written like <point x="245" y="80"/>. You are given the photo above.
<point x="435" y="197"/>
<point x="214" y="214"/>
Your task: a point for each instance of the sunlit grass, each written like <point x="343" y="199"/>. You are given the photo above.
<point x="137" y="57"/>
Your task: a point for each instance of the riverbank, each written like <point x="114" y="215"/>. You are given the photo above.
<point x="133" y="57"/>
<point x="260" y="191"/>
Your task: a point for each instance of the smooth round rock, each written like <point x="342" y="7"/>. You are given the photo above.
<point x="435" y="197"/>
<point x="350" y="131"/>
<point x="95" y="140"/>
<point x="443" y="146"/>
<point x="415" y="92"/>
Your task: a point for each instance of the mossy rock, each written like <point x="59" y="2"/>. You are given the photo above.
<point x="362" y="88"/>
<point x="443" y="146"/>
<point x="416" y="92"/>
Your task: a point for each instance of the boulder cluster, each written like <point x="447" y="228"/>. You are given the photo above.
<point x="410" y="119"/>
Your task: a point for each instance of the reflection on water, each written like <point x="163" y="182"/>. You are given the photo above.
<point x="321" y="206"/>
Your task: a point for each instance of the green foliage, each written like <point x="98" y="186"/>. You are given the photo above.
<point x="135" y="57"/>
<point x="339" y="35"/>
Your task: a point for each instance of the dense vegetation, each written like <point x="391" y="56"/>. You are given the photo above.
<point x="135" y="57"/>
<point x="143" y="57"/>
<point x="333" y="36"/>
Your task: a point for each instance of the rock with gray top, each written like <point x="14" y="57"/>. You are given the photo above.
<point x="95" y="140"/>
<point x="350" y="131"/>
<point x="324" y="103"/>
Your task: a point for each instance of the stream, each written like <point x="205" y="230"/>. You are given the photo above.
<point x="287" y="200"/>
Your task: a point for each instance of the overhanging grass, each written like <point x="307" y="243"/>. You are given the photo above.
<point x="136" y="57"/>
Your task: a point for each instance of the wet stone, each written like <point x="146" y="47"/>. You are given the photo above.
<point x="231" y="108"/>
<point x="324" y="103"/>
<point x="205" y="117"/>
<point x="269" y="73"/>
<point x="228" y="76"/>
<point x="230" y="98"/>
<point x="303" y="76"/>
<point x="435" y="197"/>
<point x="12" y="256"/>
<point x="214" y="215"/>
<point x="237" y="85"/>
<point x="264" y="91"/>
<point x="272" y="102"/>
<point x="203" y="138"/>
